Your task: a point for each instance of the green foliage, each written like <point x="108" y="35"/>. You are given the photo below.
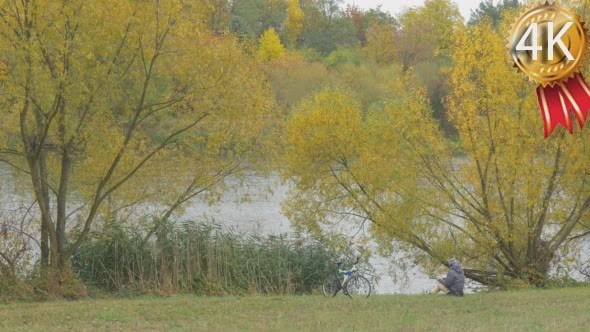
<point x="378" y="16"/>
<point x="193" y="257"/>
<point x="310" y="54"/>
<point x="12" y="289"/>
<point x="341" y="56"/>
<point x="252" y="17"/>
<point x="370" y="84"/>
<point x="487" y="9"/>
<point x="431" y="74"/>
<point x="326" y="35"/>
<point x="293" y="79"/>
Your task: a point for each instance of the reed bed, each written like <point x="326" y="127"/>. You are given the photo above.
<point x="201" y="258"/>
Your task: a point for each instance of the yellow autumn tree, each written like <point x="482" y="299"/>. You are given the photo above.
<point x="270" y="46"/>
<point x="504" y="200"/>
<point x="106" y="109"/>
<point x="528" y="195"/>
<point x="350" y="165"/>
<point x="428" y="31"/>
<point x="293" y="23"/>
<point x="382" y="44"/>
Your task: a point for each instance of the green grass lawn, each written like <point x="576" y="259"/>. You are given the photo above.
<point x="549" y="310"/>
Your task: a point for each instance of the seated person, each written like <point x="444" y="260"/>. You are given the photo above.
<point x="453" y="283"/>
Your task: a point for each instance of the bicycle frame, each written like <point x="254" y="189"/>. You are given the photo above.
<point x="339" y="281"/>
<point x="346" y="274"/>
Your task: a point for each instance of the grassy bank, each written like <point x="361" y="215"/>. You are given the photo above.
<point x="549" y="310"/>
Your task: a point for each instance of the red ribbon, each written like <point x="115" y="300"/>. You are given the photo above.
<point x="558" y="101"/>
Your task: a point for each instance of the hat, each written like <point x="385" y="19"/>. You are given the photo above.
<point x="452" y="261"/>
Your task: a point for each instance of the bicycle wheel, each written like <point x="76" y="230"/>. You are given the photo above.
<point x="357" y="286"/>
<point x="331" y="285"/>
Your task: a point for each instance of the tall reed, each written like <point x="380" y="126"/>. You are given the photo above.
<point x="200" y="258"/>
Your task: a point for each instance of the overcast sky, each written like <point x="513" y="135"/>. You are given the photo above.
<point x="397" y="6"/>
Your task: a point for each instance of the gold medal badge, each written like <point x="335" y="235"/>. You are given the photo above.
<point x="548" y="43"/>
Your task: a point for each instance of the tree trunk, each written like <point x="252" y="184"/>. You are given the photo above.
<point x="62" y="208"/>
<point x="44" y="245"/>
<point x="45" y="222"/>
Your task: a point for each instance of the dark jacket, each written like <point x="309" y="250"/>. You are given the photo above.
<point x="455" y="280"/>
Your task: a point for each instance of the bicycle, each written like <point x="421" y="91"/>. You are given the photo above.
<point x="351" y="282"/>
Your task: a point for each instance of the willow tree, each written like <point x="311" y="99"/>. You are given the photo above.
<point x="111" y="104"/>
<point x="506" y="201"/>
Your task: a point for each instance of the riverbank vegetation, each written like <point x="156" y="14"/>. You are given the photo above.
<point x="411" y="128"/>
<point x="202" y="259"/>
<point x="185" y="258"/>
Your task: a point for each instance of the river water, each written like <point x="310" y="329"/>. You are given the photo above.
<point x="260" y="214"/>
